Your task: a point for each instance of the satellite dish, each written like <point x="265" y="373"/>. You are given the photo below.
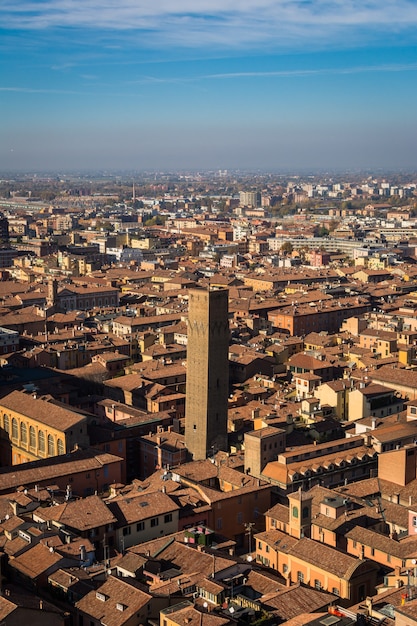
<point x="51" y="549"/>
<point x="249" y="559"/>
<point x="414" y="561"/>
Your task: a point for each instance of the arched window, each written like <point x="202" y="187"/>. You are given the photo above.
<point x="23" y="433"/>
<point x="41" y="441"/>
<point x="295" y="512"/>
<point x="7" y="424"/>
<point x="15" y="431"/>
<point x="60" y="445"/>
<point x="306" y="512"/>
<point x="51" y="446"/>
<point x="32" y="437"/>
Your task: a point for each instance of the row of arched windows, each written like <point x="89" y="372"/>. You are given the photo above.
<point x="36" y="440"/>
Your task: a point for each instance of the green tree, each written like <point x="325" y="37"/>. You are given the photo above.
<point x="321" y="231"/>
<point x="287" y="247"/>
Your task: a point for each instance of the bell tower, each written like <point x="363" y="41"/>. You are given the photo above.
<point x="300" y="514"/>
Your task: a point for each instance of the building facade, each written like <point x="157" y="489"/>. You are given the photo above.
<point x="207" y="372"/>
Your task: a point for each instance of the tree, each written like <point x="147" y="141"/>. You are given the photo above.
<point x="321" y="231"/>
<point x="287" y="247"/>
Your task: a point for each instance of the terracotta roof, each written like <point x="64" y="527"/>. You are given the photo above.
<point x="319" y="554"/>
<point x="52" y="468"/>
<point x="39" y="409"/>
<point x="6" y="608"/>
<point x="184" y="614"/>
<point x="401" y="549"/>
<point x="36" y="561"/>
<point x="83" y="514"/>
<point x="278" y="540"/>
<point x="128" y="510"/>
<point x="114" y="603"/>
<point x="294" y="600"/>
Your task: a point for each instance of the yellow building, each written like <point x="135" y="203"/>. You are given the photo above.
<point x="33" y="428"/>
<point x="317" y="565"/>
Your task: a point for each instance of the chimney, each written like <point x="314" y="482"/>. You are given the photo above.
<point x="83" y="553"/>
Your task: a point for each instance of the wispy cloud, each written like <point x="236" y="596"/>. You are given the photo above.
<point x="403" y="67"/>
<point x="299" y="73"/>
<point x="226" y="23"/>
<point x="31" y="90"/>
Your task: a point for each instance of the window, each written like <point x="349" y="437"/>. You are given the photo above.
<point x="240" y="517"/>
<point x="126" y="531"/>
<point x="305" y="512"/>
<point x="15" y="432"/>
<point x="317" y="583"/>
<point x="285" y="568"/>
<point x="168" y="518"/>
<point x="295" y="512"/>
<point x="51" y="446"/>
<point x="219" y="523"/>
<point x="300" y="577"/>
<point x="32" y="437"/>
<point x="41" y="441"/>
<point x="23" y="433"/>
<point x="7" y="424"/>
<point x="335" y="591"/>
<point x="154" y="522"/>
<point x="60" y="445"/>
<point x="140" y="526"/>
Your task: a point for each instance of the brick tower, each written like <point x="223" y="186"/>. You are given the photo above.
<point x="207" y="372"/>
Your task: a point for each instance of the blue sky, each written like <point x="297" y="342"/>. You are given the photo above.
<point x="157" y="84"/>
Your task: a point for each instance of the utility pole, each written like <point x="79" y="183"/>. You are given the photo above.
<point x="248" y="526"/>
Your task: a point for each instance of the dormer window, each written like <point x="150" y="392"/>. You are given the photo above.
<point x="101" y="596"/>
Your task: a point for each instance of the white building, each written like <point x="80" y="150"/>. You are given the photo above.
<point x="9" y="340"/>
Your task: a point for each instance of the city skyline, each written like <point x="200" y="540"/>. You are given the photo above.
<point x="267" y="85"/>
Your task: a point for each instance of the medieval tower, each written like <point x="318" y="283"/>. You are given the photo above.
<point x="207" y="372"/>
